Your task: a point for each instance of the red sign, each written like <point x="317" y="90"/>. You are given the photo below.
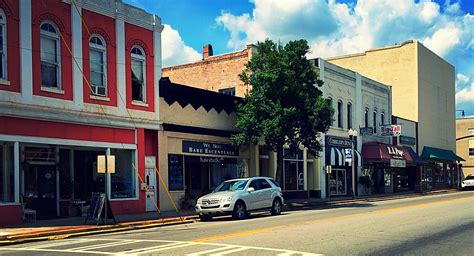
<point x="391" y="130"/>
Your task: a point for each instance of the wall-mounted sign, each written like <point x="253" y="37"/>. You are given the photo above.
<point x="366" y="130"/>
<point x="407" y="140"/>
<point x="348" y="155"/>
<point x="338" y="142"/>
<point x="395" y="152"/>
<point x="207" y="148"/>
<point x="391" y="130"/>
<point x="398" y="163"/>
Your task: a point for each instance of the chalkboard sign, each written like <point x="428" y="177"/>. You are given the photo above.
<point x="175" y="172"/>
<point x="97" y="211"/>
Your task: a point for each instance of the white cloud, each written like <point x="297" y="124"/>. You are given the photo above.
<point x="466" y="95"/>
<point x="174" y="50"/>
<point x="333" y="28"/>
<point x="462" y="78"/>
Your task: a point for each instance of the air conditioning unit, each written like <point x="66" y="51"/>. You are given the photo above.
<point x="99" y="90"/>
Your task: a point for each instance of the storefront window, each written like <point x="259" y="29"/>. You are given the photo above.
<point x="388" y="178"/>
<point x="66" y="185"/>
<point x="225" y="170"/>
<point x="123" y="181"/>
<point x="175" y="172"/>
<point x="7" y="192"/>
<point x="293" y="170"/>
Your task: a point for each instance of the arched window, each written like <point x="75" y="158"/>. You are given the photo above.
<point x="349" y="115"/>
<point x="98" y="66"/>
<point x="375" y="121"/>
<point x="366" y="117"/>
<point x="3" y="45"/>
<point x="50" y="56"/>
<point x="138" y="74"/>
<point x="339" y="114"/>
<point x="331" y="105"/>
<point x="382" y="118"/>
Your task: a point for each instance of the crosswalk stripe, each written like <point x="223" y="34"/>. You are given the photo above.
<point x="158" y="246"/>
<point x="230" y="251"/>
<point x="103" y="245"/>
<point x="211" y="250"/>
<point x="163" y="249"/>
<point x="55" y="244"/>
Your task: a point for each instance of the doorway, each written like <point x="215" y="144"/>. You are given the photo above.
<point x="337" y="182"/>
<point x="150" y="179"/>
<point x="41" y="189"/>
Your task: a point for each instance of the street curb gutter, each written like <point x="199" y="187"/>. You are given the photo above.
<point x="25" y="238"/>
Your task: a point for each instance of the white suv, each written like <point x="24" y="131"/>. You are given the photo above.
<point x="240" y="196"/>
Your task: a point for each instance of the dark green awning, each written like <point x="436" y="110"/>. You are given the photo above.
<point x="430" y="153"/>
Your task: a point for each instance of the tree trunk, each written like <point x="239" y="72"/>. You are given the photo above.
<point x="279" y="172"/>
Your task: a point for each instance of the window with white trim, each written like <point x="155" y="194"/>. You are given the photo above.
<point x="98" y="66"/>
<point x="3" y="45"/>
<point x="382" y="118"/>
<point x="138" y="74"/>
<point x="375" y="121"/>
<point x="339" y="114"/>
<point x="366" y="117"/>
<point x="330" y="104"/>
<point x="50" y="56"/>
<point x="349" y="115"/>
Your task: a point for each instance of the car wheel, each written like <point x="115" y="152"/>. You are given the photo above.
<point x="239" y="211"/>
<point x="205" y="217"/>
<point x="276" y="207"/>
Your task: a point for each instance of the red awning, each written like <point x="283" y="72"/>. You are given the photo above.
<point x="383" y="153"/>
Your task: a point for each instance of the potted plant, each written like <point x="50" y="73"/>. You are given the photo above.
<point x="366" y="181"/>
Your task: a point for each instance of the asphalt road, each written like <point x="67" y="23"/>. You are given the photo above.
<point x="429" y="225"/>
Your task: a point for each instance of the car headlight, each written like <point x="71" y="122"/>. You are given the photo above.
<point x="199" y="201"/>
<point x="228" y="199"/>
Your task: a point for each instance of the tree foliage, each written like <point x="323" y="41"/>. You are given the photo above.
<point x="285" y="105"/>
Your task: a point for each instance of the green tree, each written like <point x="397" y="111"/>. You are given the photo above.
<point x="285" y="105"/>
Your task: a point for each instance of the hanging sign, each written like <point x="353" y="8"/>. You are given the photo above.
<point x="393" y="130"/>
<point x="101" y="164"/>
<point x="398" y="163"/>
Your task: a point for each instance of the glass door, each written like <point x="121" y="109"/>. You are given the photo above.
<point x="337" y="182"/>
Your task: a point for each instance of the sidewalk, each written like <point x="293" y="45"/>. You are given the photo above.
<point x="71" y="227"/>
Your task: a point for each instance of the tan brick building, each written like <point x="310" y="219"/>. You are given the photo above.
<point x="465" y="143"/>
<point x="215" y="73"/>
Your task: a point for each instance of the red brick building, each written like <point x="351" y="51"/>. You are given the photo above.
<point x="77" y="79"/>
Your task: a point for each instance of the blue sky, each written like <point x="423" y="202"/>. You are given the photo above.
<point x="332" y="27"/>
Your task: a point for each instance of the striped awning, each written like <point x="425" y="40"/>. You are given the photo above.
<point x="337" y="157"/>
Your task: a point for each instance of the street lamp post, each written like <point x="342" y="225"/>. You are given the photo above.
<point x="353" y="136"/>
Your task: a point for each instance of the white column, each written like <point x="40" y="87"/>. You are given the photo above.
<point x="121" y="85"/>
<point x="157" y="63"/>
<point x="305" y="169"/>
<point x="107" y="153"/>
<point x="358" y="110"/>
<point x="322" y="167"/>
<point x="6" y="173"/>
<point x="16" y="169"/>
<point x="26" y="66"/>
<point x="77" y="78"/>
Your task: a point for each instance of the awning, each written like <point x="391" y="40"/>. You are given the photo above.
<point x="377" y="152"/>
<point x="337" y="157"/>
<point x="430" y="153"/>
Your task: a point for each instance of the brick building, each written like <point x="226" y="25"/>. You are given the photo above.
<point x="218" y="73"/>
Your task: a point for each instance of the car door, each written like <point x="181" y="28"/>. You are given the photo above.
<point x="252" y="198"/>
<point x="264" y="193"/>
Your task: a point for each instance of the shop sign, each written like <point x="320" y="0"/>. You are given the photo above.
<point x="393" y="130"/>
<point x="217" y="160"/>
<point x="407" y="140"/>
<point x="398" y="163"/>
<point x="207" y="148"/>
<point x="348" y="155"/>
<point x="366" y="130"/>
<point x="338" y="142"/>
<point x="395" y="152"/>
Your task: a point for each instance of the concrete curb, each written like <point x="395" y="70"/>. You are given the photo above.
<point x="45" y="236"/>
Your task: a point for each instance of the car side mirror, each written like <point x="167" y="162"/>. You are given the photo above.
<point x="251" y="189"/>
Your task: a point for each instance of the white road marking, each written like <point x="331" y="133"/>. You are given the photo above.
<point x="211" y="250"/>
<point x="222" y="249"/>
<point x="97" y="246"/>
<point x="230" y="251"/>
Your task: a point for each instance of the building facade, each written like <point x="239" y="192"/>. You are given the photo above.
<point x="79" y="79"/>
<point x="423" y="92"/>
<point x="465" y="144"/>
<point x="218" y="73"/>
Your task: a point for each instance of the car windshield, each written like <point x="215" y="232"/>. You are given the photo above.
<point x="469" y="177"/>
<point x="232" y="185"/>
